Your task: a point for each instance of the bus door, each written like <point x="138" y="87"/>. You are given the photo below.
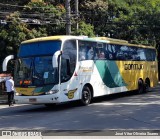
<point x="68" y="78"/>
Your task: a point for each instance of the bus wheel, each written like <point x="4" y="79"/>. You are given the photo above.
<point x="141" y="87"/>
<point x="86" y="96"/>
<point x="147" y="85"/>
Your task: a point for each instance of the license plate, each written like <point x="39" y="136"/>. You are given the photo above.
<point x="32" y="100"/>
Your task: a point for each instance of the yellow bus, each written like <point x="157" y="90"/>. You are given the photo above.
<point x="58" y="69"/>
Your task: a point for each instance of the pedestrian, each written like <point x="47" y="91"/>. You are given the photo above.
<point x="10" y="90"/>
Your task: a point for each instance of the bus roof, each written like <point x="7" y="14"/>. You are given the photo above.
<point x="122" y="42"/>
<point x="95" y="39"/>
<point x="54" y="38"/>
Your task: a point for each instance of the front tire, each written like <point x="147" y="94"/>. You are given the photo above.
<point x="86" y="96"/>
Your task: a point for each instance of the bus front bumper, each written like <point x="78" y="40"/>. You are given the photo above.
<point x="43" y="99"/>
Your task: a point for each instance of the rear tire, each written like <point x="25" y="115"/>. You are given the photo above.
<point x="141" y="87"/>
<point x="86" y="96"/>
<point x="147" y="85"/>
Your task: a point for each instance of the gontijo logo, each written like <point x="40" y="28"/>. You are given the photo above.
<point x="133" y="66"/>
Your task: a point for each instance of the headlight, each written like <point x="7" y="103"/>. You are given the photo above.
<point x="18" y="94"/>
<point x="51" y="92"/>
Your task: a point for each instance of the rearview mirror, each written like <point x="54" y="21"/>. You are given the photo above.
<point x="5" y="62"/>
<point x="55" y="59"/>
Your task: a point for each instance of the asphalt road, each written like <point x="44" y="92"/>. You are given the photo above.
<point x="122" y="111"/>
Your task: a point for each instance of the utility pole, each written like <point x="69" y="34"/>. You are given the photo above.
<point x="68" y="17"/>
<point x="77" y="13"/>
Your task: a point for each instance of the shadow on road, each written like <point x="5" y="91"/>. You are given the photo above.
<point x="75" y="104"/>
<point x="119" y="111"/>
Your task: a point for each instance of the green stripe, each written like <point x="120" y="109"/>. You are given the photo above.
<point x="109" y="73"/>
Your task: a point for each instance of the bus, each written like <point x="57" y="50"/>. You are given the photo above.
<point x="57" y="69"/>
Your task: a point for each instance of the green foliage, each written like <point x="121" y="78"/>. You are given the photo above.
<point x="19" y="31"/>
<point x="84" y="29"/>
<point x="14" y="33"/>
<point x="48" y="13"/>
<point x="45" y="8"/>
<point x="137" y="21"/>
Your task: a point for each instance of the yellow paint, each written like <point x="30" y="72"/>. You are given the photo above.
<point x="122" y="42"/>
<point x="87" y="70"/>
<point x="71" y="93"/>
<point x="27" y="91"/>
<point x="48" y="38"/>
<point x="36" y="0"/>
<point x="131" y="77"/>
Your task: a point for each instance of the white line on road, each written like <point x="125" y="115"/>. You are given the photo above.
<point x="133" y="103"/>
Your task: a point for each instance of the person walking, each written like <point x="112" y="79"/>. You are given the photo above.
<point x="10" y="90"/>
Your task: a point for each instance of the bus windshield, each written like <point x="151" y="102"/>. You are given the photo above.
<point x="34" y="65"/>
<point x="39" y="48"/>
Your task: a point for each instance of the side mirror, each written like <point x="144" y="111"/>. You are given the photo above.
<point x="55" y="59"/>
<point x="5" y="62"/>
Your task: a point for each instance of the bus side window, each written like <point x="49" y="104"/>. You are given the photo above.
<point x="141" y="54"/>
<point x="110" y="51"/>
<point x="150" y="54"/>
<point x="82" y="55"/>
<point x="86" y="50"/>
<point x="100" y="52"/>
<point x="106" y="51"/>
<point x="90" y="53"/>
<point x="82" y="50"/>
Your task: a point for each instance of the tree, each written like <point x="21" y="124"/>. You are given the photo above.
<point x="47" y="15"/>
<point x="14" y="33"/>
<point x="137" y="21"/>
<point x="17" y="29"/>
<point x="84" y="29"/>
<point x="95" y="12"/>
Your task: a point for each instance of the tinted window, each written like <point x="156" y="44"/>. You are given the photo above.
<point x="39" y="48"/>
<point x="150" y="54"/>
<point x="102" y="51"/>
<point x="36" y="71"/>
<point x="86" y="50"/>
<point x="122" y="52"/>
